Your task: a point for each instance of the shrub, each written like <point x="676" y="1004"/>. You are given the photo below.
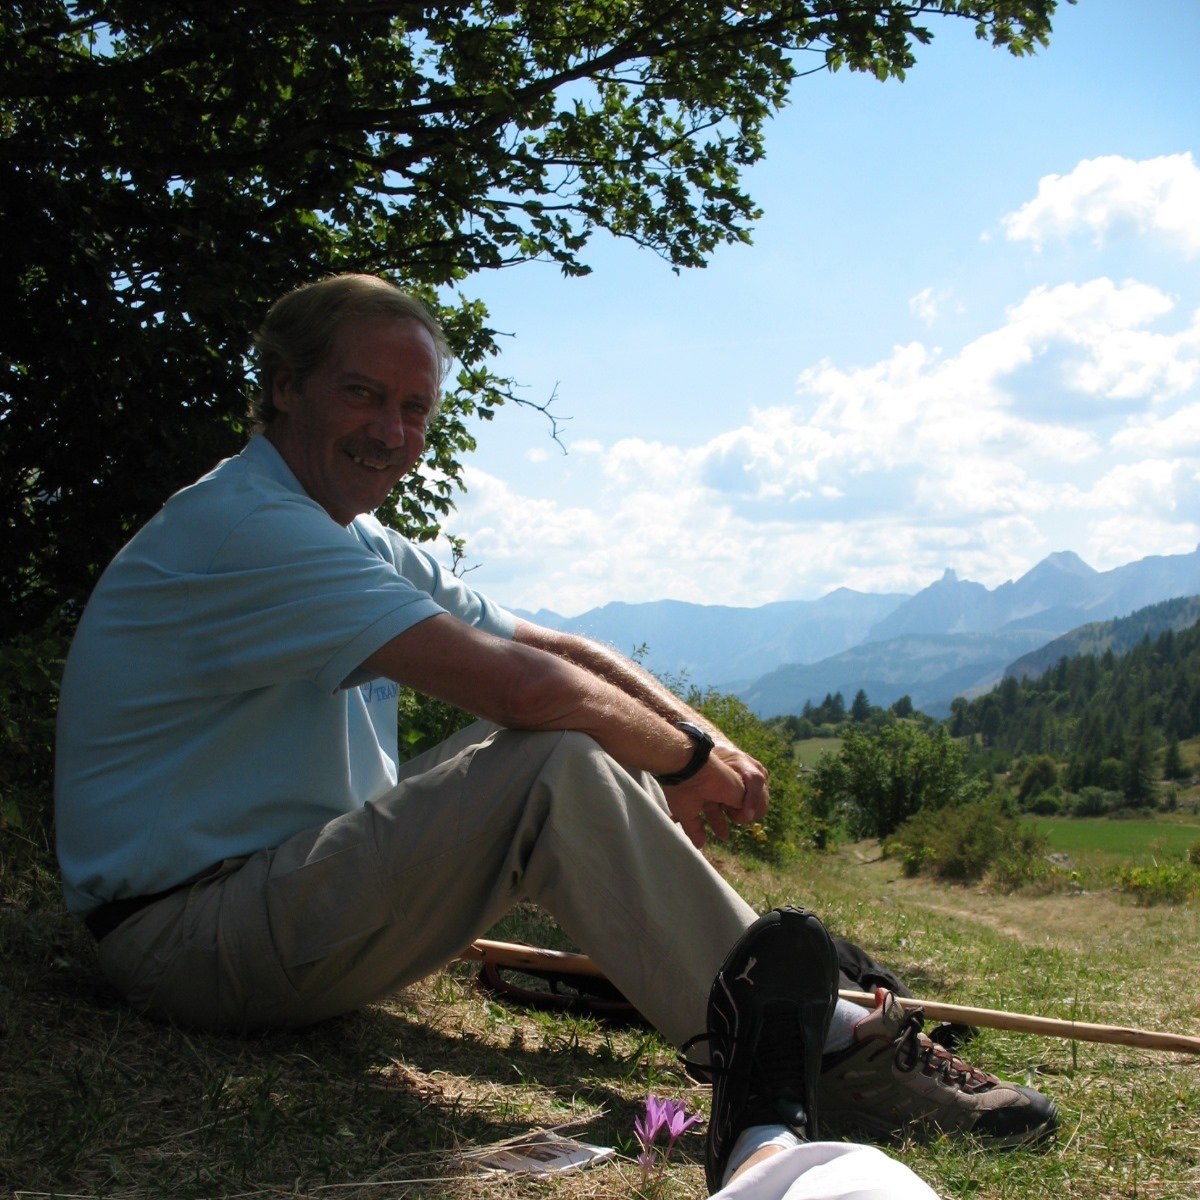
<point x="1162" y="883"/>
<point x="423" y="722"/>
<point x="1045" y="804"/>
<point x="787" y="822"/>
<point x="1193" y="854"/>
<point x="1095" y="802"/>
<point x="1040" y="776"/>
<point x="30" y="669"/>
<point x="965" y="842"/>
<point x="1026" y="866"/>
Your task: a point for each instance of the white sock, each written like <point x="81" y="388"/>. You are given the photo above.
<point x="755" y="1137"/>
<point x="841" y="1028"/>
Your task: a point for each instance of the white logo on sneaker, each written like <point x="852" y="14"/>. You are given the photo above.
<point x="753" y="962"/>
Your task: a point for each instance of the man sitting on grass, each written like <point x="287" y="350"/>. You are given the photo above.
<point x="234" y="821"/>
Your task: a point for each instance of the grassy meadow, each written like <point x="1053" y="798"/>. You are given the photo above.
<point x="96" y="1102"/>
<point x="809" y="750"/>
<point x="1106" y="842"/>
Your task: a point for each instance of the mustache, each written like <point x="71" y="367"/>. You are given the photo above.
<point x="374" y="451"/>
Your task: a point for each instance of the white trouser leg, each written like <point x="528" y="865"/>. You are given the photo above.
<point x="827" y="1171"/>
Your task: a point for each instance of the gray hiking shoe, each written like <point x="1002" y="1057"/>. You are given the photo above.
<point x="893" y="1076"/>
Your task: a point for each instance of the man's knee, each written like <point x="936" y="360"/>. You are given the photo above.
<point x="554" y="752"/>
<point x="586" y="786"/>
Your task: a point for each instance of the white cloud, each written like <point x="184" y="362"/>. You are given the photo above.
<point x="1101" y="327"/>
<point x="1159" y="195"/>
<point x="925" y="306"/>
<point x="1176" y="432"/>
<point x="1147" y="488"/>
<point x="1126" y="537"/>
<point x="1072" y="423"/>
<point x="930" y="304"/>
<point x="980" y="486"/>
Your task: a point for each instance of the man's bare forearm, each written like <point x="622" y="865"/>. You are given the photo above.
<point x="649" y="694"/>
<point x="522" y="686"/>
<point x="621" y="672"/>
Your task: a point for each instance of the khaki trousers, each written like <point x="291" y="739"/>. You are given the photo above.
<point x="341" y="915"/>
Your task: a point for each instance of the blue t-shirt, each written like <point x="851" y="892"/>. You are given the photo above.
<point x="211" y="704"/>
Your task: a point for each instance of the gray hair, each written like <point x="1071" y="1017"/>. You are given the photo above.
<point x="300" y="327"/>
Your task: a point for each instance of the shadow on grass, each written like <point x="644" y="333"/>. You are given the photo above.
<point x="98" y="1100"/>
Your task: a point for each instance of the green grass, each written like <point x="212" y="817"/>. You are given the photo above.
<point x="97" y="1102"/>
<point x="809" y="750"/>
<point x="1109" y="842"/>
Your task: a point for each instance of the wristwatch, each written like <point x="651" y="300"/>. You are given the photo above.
<point x="704" y="745"/>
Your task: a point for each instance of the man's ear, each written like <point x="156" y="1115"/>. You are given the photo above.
<point x="283" y="390"/>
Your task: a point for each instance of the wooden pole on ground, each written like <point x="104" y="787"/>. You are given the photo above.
<point x="1076" y="1031"/>
<point x="517" y="957"/>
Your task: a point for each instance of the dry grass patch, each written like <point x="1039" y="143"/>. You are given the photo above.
<point x="97" y="1102"/>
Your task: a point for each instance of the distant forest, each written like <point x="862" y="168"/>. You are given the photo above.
<point x="1107" y="715"/>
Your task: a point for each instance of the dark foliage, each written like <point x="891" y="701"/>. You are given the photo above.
<point x="166" y="170"/>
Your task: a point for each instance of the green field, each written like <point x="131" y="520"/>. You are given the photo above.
<point x="809" y="750"/>
<point x="1110" y="842"/>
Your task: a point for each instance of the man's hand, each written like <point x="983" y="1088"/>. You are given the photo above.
<point x="756" y="787"/>
<point x="731" y="786"/>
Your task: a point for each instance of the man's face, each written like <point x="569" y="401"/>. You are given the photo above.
<point x="356" y="426"/>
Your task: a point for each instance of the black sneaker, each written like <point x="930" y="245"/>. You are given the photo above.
<point x="768" y="1014"/>
<point x="892" y="1077"/>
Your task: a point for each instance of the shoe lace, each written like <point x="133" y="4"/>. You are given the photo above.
<point x="703" y="1072"/>
<point x="779" y="1074"/>
<point x="914" y="1050"/>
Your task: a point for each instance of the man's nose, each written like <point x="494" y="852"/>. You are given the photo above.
<point x="389" y="426"/>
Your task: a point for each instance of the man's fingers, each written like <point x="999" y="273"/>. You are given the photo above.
<point x="753" y="806"/>
<point x="694" y="828"/>
<point x="718" y="820"/>
<point x="754" y="799"/>
<point x="716" y="792"/>
<point x="754" y="780"/>
<point x="757" y="799"/>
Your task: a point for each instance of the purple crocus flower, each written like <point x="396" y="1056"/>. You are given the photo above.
<point x="677" y="1121"/>
<point x="652" y="1122"/>
<point x="660" y="1114"/>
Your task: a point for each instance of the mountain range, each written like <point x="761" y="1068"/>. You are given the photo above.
<point x="954" y="637"/>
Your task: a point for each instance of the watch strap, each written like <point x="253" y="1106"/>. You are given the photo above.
<point x="700" y="752"/>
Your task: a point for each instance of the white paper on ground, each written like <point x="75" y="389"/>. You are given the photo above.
<point x="538" y="1153"/>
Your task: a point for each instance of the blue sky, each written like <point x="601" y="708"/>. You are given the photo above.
<point x="967" y="335"/>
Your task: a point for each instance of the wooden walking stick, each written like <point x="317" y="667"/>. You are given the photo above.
<point x="564" y="965"/>
<point x="1075" y="1031"/>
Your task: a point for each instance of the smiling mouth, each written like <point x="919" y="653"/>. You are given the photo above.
<point x="371" y="464"/>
